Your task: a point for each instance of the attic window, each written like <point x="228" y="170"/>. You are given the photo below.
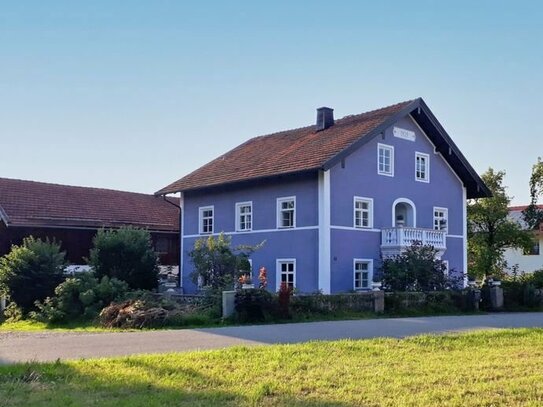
<point x="385" y="160"/>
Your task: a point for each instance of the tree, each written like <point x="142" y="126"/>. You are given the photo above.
<point x="533" y="216"/>
<point x="491" y="231"/>
<point x="415" y="269"/>
<point x="126" y="254"/>
<point x="30" y="272"/>
<point x="217" y="263"/>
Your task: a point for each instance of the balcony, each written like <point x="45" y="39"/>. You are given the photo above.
<point x="394" y="240"/>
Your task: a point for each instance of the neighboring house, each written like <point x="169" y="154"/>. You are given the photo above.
<point x="330" y="199"/>
<point x="527" y="261"/>
<point x="72" y="215"/>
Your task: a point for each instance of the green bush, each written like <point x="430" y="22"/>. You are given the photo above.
<point x="416" y="269"/>
<point x="80" y="298"/>
<point x="255" y="305"/>
<point x="536" y="279"/>
<point x="519" y="293"/>
<point x="218" y="264"/>
<point x="432" y="302"/>
<point x="30" y="272"/>
<point x="126" y="254"/>
<point x="335" y="304"/>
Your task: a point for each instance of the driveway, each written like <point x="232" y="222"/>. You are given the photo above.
<point x="50" y="346"/>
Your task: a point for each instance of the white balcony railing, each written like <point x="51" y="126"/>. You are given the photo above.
<point x="403" y="237"/>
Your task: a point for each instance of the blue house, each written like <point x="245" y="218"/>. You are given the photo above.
<point x="333" y="198"/>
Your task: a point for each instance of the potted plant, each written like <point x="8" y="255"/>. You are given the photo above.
<point x="245" y="281"/>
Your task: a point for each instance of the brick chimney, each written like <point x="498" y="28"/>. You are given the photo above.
<point x="325" y="118"/>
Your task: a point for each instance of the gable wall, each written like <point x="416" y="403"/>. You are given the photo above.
<point x="360" y="178"/>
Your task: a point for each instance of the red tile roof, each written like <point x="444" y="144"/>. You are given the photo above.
<point x="29" y="203"/>
<point x="286" y="152"/>
<point x="521" y="208"/>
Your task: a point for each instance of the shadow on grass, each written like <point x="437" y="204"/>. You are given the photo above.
<point x="141" y="383"/>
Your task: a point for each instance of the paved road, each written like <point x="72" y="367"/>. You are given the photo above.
<point x="49" y="346"/>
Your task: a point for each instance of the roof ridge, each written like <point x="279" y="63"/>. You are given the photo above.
<point x="74" y="186"/>
<point x="270" y="154"/>
<point x="349" y="116"/>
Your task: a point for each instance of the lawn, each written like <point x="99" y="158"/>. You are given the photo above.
<point x="487" y="368"/>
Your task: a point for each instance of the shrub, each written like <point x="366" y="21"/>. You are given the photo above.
<point x="30" y="272"/>
<point x="416" y="269"/>
<point x="285" y="293"/>
<point x="536" y="279"/>
<point x="80" y="297"/>
<point x="217" y="263"/>
<point x="425" y="302"/>
<point x="255" y="305"/>
<point x="125" y="254"/>
<point x="520" y="292"/>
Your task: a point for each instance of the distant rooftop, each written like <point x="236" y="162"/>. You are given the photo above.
<point x="39" y="204"/>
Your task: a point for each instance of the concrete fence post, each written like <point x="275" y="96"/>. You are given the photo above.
<point x="496" y="297"/>
<point x="378" y="301"/>
<point x="228" y="303"/>
<point x="2" y="303"/>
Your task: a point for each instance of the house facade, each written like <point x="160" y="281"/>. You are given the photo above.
<point x="526" y="261"/>
<point x="71" y="215"/>
<point x="330" y="200"/>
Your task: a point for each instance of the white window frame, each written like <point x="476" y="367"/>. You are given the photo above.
<point x="446" y="217"/>
<point x="369" y="201"/>
<point x="426" y="169"/>
<point x="239" y="205"/>
<point x="280" y="211"/>
<point x="391" y="149"/>
<point x="278" y="272"/>
<point x="370" y="273"/>
<point x="201" y="210"/>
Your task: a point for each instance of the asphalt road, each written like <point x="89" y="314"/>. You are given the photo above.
<point x="50" y="346"/>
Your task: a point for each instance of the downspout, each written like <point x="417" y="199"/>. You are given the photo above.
<point x="180" y="237"/>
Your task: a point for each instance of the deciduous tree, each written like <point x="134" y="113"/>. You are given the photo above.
<point x="491" y="231"/>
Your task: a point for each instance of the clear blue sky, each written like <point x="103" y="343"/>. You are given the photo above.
<point x="132" y="95"/>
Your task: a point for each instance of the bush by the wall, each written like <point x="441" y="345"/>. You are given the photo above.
<point x="425" y="302"/>
<point x="321" y="304"/>
<point x="126" y="254"/>
<point x="30" y="272"/>
<point x="416" y="269"/>
<point x="79" y="298"/>
<point x="518" y="294"/>
<point x="255" y="305"/>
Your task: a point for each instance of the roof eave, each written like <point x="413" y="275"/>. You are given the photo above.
<point x="166" y="191"/>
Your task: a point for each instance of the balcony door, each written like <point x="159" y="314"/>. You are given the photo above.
<point x="404" y="213"/>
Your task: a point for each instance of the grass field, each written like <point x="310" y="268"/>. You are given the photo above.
<point x="487" y="368"/>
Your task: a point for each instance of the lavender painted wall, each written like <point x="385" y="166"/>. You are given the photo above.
<point x="358" y="177"/>
<point x="299" y="243"/>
